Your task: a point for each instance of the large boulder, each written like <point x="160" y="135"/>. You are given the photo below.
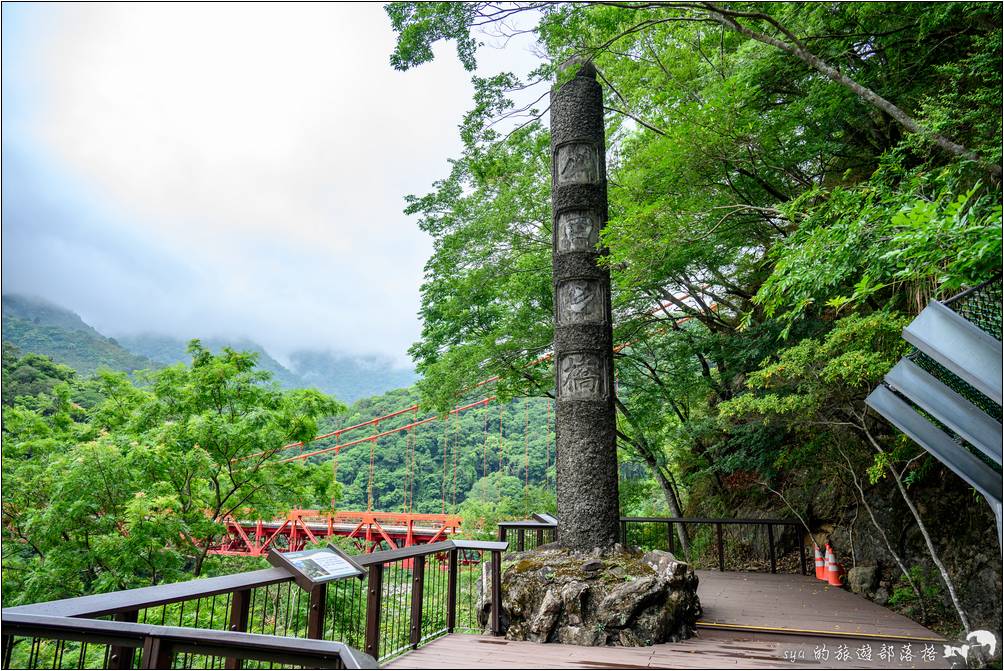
<point x="614" y="597"/>
<point x="863" y="579"/>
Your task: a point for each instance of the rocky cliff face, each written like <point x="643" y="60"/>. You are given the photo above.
<point x="616" y="597"/>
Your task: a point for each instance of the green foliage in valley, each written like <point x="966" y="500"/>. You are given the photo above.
<point x="130" y="491"/>
<point x="113" y="483"/>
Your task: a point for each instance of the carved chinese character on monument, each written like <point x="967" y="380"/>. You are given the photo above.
<point x="577" y="164"/>
<point x="577" y="232"/>
<point x="582" y="377"/>
<point x="580" y="302"/>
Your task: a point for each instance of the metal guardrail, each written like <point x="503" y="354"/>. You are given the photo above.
<point x="719" y="523"/>
<point x="547" y="531"/>
<point x="409" y="596"/>
<point x="541" y="533"/>
<point x="157" y="647"/>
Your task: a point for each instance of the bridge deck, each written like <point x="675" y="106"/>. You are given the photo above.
<point x="751" y="620"/>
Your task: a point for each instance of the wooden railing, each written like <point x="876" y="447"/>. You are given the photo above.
<point x="408" y="597"/>
<point x="532" y="533"/>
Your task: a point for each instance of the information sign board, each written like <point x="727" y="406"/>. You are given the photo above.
<point x="317" y="566"/>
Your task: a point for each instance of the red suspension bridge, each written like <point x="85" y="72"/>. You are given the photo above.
<point x="244" y="535"/>
<point x="369" y="529"/>
<point x="374" y="530"/>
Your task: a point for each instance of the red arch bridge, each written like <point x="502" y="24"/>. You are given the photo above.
<point x="370" y="530"/>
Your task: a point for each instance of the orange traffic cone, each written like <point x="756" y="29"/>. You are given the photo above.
<point x="832" y="568"/>
<point x="820" y="565"/>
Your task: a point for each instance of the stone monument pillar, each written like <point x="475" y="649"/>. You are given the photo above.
<point x="585" y="420"/>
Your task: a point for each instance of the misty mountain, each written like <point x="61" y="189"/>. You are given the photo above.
<point x="36" y="325"/>
<point x="349" y="378"/>
<point x="168" y="350"/>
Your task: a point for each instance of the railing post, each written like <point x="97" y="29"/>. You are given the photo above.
<point x="156" y="654"/>
<point x="770" y="542"/>
<point x="315" y="616"/>
<point x="120" y="657"/>
<point x="373" y="597"/>
<point x="721" y="547"/>
<point x="451" y="592"/>
<point x="496" y="591"/>
<point x="502" y="533"/>
<point x="540" y="536"/>
<point x="624" y="533"/>
<point x="801" y="554"/>
<point x="417" y="592"/>
<point x="521" y="539"/>
<point x="8" y="648"/>
<point x="670" y="543"/>
<point x="240" y="605"/>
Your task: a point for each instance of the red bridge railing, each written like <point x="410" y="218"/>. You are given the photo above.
<point x="372" y="531"/>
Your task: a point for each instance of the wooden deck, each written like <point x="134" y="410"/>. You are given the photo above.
<point x="751" y="620"/>
<point x="799" y="605"/>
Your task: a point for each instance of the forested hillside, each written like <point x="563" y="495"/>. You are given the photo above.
<point x="471" y="444"/>
<point x="207" y="436"/>
<point x="34" y="325"/>
<point x="789" y="184"/>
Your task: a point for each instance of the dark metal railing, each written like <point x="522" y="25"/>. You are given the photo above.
<point x="719" y="525"/>
<point x="409" y="596"/>
<point x="981" y="305"/>
<point x="529" y="533"/>
<point x="65" y="640"/>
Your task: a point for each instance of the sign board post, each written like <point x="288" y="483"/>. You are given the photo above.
<point x="312" y="570"/>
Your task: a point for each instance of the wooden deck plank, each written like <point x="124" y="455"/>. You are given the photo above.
<point x="797" y="603"/>
<point x="707" y="650"/>
<point x="751" y="620"/>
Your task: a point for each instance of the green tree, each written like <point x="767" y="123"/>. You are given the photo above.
<point x="133" y="492"/>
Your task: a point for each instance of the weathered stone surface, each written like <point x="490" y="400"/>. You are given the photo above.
<point x="546" y="617"/>
<point x="585" y="419"/>
<point x="862" y="579"/>
<point x="623" y="601"/>
<point x="601" y="597"/>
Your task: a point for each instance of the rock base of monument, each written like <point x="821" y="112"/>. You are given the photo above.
<point x="603" y="597"/>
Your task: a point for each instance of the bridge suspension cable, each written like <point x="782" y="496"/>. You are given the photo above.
<point x="526" y="456"/>
<point x="484" y="457"/>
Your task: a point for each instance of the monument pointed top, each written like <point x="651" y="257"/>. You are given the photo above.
<point x="583" y="67"/>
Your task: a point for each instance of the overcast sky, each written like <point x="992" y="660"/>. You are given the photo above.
<point x="225" y="170"/>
